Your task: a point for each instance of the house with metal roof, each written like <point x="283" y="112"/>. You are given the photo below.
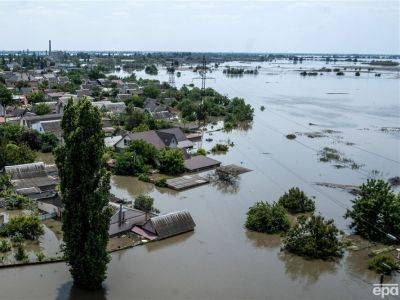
<point x="164" y="226"/>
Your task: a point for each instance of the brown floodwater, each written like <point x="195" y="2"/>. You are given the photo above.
<point x="223" y="260"/>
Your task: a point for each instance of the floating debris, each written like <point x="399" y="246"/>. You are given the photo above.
<point x="291" y="136"/>
<point x="328" y="154"/>
<point x="394" y="181"/>
<point x="352" y="189"/>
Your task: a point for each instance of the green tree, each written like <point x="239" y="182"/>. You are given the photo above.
<point x="376" y="212"/>
<point x="264" y="217"/>
<point x="145" y="203"/>
<point x="84" y="186"/>
<point x="36" y="97"/>
<point x="146" y="150"/>
<point x="16" y="154"/>
<point x="5" y="96"/>
<point x="151" y="70"/>
<point x="42" y="109"/>
<point x="29" y="227"/>
<point x="171" y="161"/>
<point x="151" y="91"/>
<point x="135" y="101"/>
<point x="49" y="142"/>
<point x="314" y="238"/>
<point x="296" y="201"/>
<point x="129" y="163"/>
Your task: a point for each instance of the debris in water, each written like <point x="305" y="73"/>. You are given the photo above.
<point x="332" y="155"/>
<point x="352" y="189"/>
<point x="291" y="136"/>
<point x="394" y="181"/>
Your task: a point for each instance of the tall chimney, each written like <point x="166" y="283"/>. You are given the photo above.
<point x="49" y="47"/>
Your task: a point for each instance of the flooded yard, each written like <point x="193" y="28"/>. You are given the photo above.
<point x="223" y="260"/>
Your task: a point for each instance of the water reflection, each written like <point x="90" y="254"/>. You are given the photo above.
<point x="172" y="241"/>
<point x="306" y="270"/>
<point x="262" y="240"/>
<point x="68" y="291"/>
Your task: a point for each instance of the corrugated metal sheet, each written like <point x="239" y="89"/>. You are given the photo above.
<point x="26" y="170"/>
<point x="172" y="224"/>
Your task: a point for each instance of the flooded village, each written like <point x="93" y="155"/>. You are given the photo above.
<point x="300" y="137"/>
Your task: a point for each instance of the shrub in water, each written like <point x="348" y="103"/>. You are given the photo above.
<point x="314" y="238"/>
<point x="384" y="263"/>
<point x="162" y="182"/>
<point x="295" y="201"/>
<point x="264" y="217"/>
<point x="376" y="210"/>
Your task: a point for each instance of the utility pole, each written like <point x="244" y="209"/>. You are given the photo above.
<point x="203" y="76"/>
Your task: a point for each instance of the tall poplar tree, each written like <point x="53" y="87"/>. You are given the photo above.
<point x="85" y="185"/>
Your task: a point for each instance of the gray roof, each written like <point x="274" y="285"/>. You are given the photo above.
<point x="53" y="126"/>
<point x="149" y="136"/>
<point x="176" y="131"/>
<point x="35" y="119"/>
<point x="172" y="224"/>
<point x="200" y="162"/>
<point x="130" y="218"/>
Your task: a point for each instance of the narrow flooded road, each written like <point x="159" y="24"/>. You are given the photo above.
<point x="221" y="259"/>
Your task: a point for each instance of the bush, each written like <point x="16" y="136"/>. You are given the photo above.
<point x="144" y="177"/>
<point x="4" y="246"/>
<point x="42" y="109"/>
<point x="376" y="211"/>
<point x="264" y="217"/>
<point x="220" y="148"/>
<point x="49" y="142"/>
<point x="36" y="97"/>
<point x="162" y="182"/>
<point x="171" y="161"/>
<point x="15" y="201"/>
<point x="145" y="203"/>
<point x="201" y="151"/>
<point x="151" y="91"/>
<point x="28" y="226"/>
<point x="20" y="254"/>
<point x="314" y="238"/>
<point x="384" y="263"/>
<point x="291" y="136"/>
<point x="40" y="256"/>
<point x="295" y="201"/>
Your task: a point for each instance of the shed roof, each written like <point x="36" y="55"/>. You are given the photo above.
<point x="200" y="162"/>
<point x="172" y="224"/>
<point x="31" y="170"/>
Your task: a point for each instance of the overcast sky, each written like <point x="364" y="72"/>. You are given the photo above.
<point x="259" y="26"/>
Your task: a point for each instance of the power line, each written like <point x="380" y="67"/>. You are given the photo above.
<point x="337" y="140"/>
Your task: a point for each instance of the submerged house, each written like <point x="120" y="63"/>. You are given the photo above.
<point x="164" y="226"/>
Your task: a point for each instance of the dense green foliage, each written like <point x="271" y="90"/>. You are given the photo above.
<point x="296" y="201"/>
<point x="85" y="188"/>
<point x="42" y="109"/>
<point x="151" y="70"/>
<point x="20" y="254"/>
<point x="129" y="163"/>
<point x="5" y="246"/>
<point x="384" y="263"/>
<point x="36" y="97"/>
<point x="220" y="148"/>
<point x="161" y="182"/>
<point x="264" y="217"/>
<point x="314" y="237"/>
<point x="145" y="203"/>
<point x="17" y="143"/>
<point x="27" y="226"/>
<point x="376" y="211"/>
<point x="171" y="161"/>
<point x="5" y="96"/>
<point x="13" y="200"/>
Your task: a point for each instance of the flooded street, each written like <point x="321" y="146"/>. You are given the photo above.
<point x="223" y="260"/>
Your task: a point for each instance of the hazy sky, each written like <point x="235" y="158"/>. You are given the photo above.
<point x="235" y="26"/>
